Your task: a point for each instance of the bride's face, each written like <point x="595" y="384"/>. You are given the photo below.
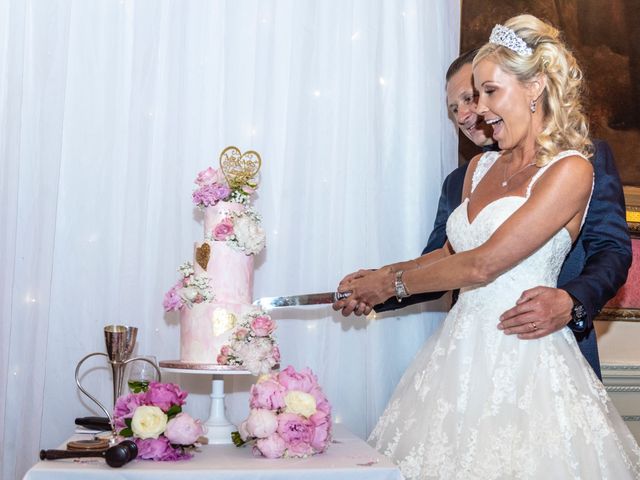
<point x="504" y="103"/>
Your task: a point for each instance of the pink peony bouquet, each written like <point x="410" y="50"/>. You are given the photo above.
<point x="154" y="418"/>
<point x="289" y="416"/>
<point x="252" y="345"/>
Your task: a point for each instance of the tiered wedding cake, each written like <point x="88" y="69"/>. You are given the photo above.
<point x="218" y="323"/>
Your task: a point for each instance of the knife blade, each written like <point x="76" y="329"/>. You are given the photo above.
<point x="301" y="300"/>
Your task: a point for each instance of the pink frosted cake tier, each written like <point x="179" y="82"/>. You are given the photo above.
<point x="206" y="327"/>
<point x="230" y="271"/>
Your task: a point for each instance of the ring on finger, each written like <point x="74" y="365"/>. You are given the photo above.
<point x="534" y="327"/>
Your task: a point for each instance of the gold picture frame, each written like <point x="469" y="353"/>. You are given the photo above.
<point x="632" y="199"/>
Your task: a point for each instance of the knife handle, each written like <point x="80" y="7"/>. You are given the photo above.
<point x="94" y="423"/>
<point x="341" y="295"/>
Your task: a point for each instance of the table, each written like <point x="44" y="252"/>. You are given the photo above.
<point x="349" y="458"/>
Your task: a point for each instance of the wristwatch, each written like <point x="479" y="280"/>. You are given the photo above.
<point x="578" y="315"/>
<point x="401" y="288"/>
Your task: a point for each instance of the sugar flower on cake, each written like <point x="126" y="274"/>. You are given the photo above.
<point x="223" y="230"/>
<point x="289" y="416"/>
<point x="252" y="345"/>
<point x="210" y="176"/>
<point x="190" y="289"/>
<point x="213" y="187"/>
<point x="154" y="419"/>
<point x="242" y="231"/>
<point x="209" y="195"/>
<point x="248" y="235"/>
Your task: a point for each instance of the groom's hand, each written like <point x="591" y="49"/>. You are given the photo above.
<point x="352" y="306"/>
<point x="538" y="312"/>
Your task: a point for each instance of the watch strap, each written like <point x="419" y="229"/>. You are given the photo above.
<point x="578" y="315"/>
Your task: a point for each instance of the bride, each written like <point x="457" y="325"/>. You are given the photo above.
<point x="475" y="403"/>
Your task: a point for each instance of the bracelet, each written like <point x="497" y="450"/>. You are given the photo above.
<point x="400" y="287"/>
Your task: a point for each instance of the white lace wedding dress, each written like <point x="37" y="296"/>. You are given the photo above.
<point x="479" y="404"/>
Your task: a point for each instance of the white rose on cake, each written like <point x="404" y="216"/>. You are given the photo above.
<point x="257" y="356"/>
<point x="248" y="234"/>
<point x="253" y="345"/>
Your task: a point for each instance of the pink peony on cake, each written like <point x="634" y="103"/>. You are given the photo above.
<point x="218" y="323"/>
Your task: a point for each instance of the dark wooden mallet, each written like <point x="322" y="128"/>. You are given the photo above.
<point x="115" y="456"/>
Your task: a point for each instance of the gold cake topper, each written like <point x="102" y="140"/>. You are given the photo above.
<point x="239" y="168"/>
<point x="222" y="321"/>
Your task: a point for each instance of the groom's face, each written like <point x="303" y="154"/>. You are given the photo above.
<point x="461" y="102"/>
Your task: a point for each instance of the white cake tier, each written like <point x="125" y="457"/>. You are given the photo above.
<point x="206" y="327"/>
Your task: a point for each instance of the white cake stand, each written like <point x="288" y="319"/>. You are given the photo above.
<point x="219" y="428"/>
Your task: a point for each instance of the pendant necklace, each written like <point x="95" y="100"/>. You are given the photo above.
<point x="505" y="180"/>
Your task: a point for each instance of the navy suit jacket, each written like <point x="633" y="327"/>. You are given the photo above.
<point x="599" y="260"/>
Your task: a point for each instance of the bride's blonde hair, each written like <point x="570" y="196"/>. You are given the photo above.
<point x="566" y="124"/>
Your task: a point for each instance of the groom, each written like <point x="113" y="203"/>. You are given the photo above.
<point x="596" y="266"/>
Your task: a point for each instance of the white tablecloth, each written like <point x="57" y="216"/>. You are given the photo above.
<point x="349" y="458"/>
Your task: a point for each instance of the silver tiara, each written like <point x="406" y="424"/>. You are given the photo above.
<point x="501" y="35"/>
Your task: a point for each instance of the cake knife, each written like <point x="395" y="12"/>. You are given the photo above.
<point x="300" y="300"/>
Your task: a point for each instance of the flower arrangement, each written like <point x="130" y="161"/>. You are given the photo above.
<point x="241" y="231"/>
<point x="190" y="289"/>
<point x="213" y="187"/>
<point x="153" y="417"/>
<point x="253" y="345"/>
<point x="289" y="416"/>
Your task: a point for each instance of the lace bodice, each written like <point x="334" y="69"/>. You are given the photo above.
<point x="541" y="268"/>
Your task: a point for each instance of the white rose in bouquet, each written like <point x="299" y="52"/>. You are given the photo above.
<point x="300" y="403"/>
<point x="148" y="421"/>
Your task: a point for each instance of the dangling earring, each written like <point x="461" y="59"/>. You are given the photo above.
<point x="532" y="106"/>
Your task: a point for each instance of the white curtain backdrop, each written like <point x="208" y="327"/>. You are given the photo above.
<point x="108" y="110"/>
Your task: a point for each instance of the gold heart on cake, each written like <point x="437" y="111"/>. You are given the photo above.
<point x="239" y="168"/>
<point x="222" y="321"/>
<point x="203" y="252"/>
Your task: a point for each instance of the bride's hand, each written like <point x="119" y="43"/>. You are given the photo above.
<point x="358" y="274"/>
<point x="349" y="305"/>
<point x="368" y="289"/>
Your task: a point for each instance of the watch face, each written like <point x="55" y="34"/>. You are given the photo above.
<point x="578" y="312"/>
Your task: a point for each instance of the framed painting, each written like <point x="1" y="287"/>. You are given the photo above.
<point x="605" y="38"/>
<point x="625" y="306"/>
